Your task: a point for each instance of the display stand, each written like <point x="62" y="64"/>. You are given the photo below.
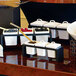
<point x="58" y="52"/>
<point x="18" y="36"/>
<point x="49" y="29"/>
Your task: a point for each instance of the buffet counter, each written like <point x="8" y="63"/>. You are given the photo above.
<point x="18" y="70"/>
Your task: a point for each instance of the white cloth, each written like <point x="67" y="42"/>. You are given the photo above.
<point x="38" y="22"/>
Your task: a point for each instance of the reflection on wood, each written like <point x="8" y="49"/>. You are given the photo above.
<point x="12" y="59"/>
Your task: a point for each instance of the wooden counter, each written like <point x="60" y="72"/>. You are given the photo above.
<point x="17" y="70"/>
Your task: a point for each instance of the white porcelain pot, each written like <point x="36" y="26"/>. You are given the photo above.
<point x="10" y="40"/>
<point x="41" y="52"/>
<point x="23" y="39"/>
<point x="54" y="33"/>
<point x="52" y="53"/>
<point x="64" y="25"/>
<point x="38" y="22"/>
<point x="30" y="50"/>
<point x="72" y="30"/>
<point x="63" y="34"/>
<point x="42" y="37"/>
<point x="53" y="24"/>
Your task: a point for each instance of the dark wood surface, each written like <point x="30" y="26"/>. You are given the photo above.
<point x="13" y="56"/>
